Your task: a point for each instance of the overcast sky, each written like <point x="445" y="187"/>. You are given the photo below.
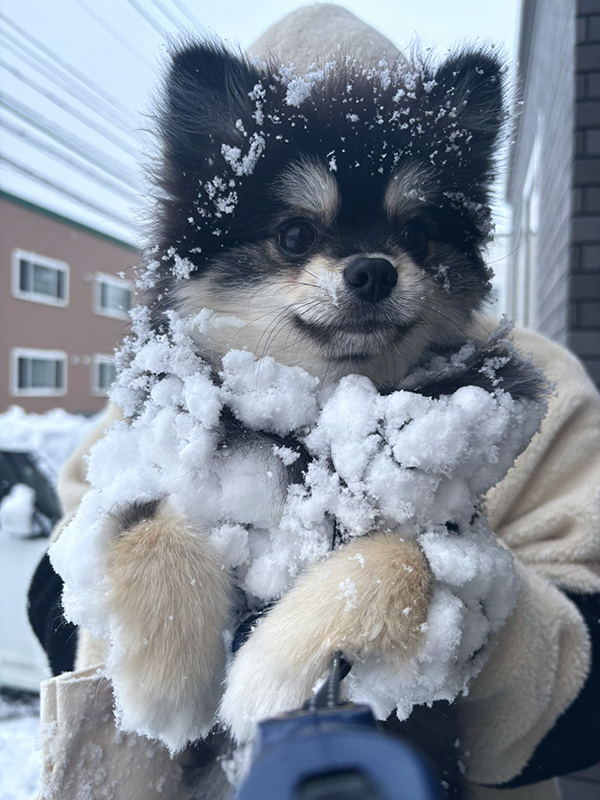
<point x="76" y="78"/>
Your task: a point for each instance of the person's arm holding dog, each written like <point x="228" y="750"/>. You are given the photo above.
<point x="533" y="710"/>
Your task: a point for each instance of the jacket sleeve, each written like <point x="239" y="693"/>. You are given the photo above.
<point x="538" y="688"/>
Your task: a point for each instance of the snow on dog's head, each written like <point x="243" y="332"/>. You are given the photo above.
<point x="340" y="215"/>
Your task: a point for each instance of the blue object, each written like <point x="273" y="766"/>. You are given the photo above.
<point x="335" y="754"/>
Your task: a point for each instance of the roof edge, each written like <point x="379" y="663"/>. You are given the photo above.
<point x="19" y="201"/>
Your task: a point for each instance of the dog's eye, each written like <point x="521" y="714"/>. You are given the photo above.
<point x="296" y="238"/>
<point x="414" y="239"/>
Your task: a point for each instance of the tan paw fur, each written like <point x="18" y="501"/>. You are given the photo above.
<point x="370" y="596"/>
<point x="169" y="603"/>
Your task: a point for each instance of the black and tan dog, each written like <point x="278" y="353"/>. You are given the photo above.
<point x="342" y="216"/>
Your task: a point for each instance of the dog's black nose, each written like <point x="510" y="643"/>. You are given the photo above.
<point x="371" y="278"/>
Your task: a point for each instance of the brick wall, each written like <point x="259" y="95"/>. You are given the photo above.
<point x="584" y="296"/>
<point x="75" y="329"/>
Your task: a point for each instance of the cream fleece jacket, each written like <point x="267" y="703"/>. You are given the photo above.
<point x="547" y="511"/>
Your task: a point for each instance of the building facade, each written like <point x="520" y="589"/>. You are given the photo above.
<point x="64" y="295"/>
<point x="554" y="177"/>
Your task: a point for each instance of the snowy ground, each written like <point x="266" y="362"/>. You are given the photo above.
<point x="19" y="756"/>
<point x="51" y="438"/>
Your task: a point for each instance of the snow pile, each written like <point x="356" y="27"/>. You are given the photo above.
<point x="16" y="511"/>
<point x="51" y="437"/>
<point x="371" y="462"/>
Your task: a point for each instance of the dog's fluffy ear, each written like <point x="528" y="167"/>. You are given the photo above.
<point x="467" y="100"/>
<point x="206" y="103"/>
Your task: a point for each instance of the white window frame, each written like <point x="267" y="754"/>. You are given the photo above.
<point x="530" y="227"/>
<point x="97" y="359"/>
<point x="121" y="283"/>
<point x="524" y="273"/>
<point x="47" y="355"/>
<point x="42" y="261"/>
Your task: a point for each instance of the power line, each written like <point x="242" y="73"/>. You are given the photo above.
<point x="79" y="92"/>
<point x="66" y="138"/>
<point x="167" y="12"/>
<point x="90" y="123"/>
<point x="16" y="166"/>
<point x="148" y="17"/>
<point x="192" y="18"/>
<point x="115" y="34"/>
<point x="63" y="158"/>
<point x="68" y="67"/>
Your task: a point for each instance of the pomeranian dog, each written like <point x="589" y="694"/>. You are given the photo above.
<point x="341" y="215"/>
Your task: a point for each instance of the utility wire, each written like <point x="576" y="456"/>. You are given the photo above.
<point x="192" y="18"/>
<point x="115" y="34"/>
<point x="167" y="13"/>
<point x="17" y="166"/>
<point x="66" y="138"/>
<point x="90" y="123"/>
<point x="79" y="92"/>
<point x="148" y="17"/>
<point x="63" y="158"/>
<point x="68" y="67"/>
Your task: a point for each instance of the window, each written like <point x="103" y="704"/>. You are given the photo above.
<point x="38" y="373"/>
<point x="40" y="279"/>
<point x="112" y="296"/>
<point x="104" y="373"/>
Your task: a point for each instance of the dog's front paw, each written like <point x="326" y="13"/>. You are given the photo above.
<point x="370" y="596"/>
<point x="169" y="602"/>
